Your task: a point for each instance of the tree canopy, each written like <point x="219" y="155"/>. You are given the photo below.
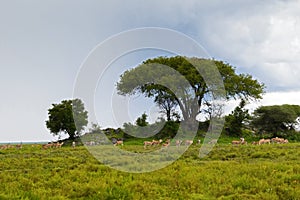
<point x="67" y="117"/>
<point x="276" y="118"/>
<point x="153" y="78"/>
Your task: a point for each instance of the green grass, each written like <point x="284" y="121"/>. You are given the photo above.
<point x="228" y="172"/>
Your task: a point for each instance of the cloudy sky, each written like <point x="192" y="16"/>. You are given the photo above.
<point x="44" y="43"/>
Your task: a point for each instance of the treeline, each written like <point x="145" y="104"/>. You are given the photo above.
<point x="264" y="122"/>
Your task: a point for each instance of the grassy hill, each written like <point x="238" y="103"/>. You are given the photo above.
<point x="228" y="172"/>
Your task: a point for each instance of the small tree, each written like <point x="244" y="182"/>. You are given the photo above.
<point x="234" y="122"/>
<point x="95" y="129"/>
<point x="68" y="117"/>
<point x="142" y="121"/>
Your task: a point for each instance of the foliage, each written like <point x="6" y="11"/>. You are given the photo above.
<point x="234" y="122"/>
<point x="95" y="129"/>
<point x="169" y="130"/>
<point x="69" y="117"/>
<point x="167" y="103"/>
<point x="153" y="79"/>
<point x="142" y="121"/>
<point x="159" y="130"/>
<point x="276" y="118"/>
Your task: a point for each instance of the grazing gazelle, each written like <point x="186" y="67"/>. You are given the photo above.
<point x="118" y="142"/>
<point x="19" y="146"/>
<point x="147" y="143"/>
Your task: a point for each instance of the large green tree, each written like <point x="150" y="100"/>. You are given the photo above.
<point x="153" y="79"/>
<point x="276" y="118"/>
<point x="67" y="117"/>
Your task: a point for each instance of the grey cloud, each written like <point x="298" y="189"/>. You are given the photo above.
<point x="43" y="43"/>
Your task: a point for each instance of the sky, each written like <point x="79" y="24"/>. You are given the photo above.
<point x="43" y="45"/>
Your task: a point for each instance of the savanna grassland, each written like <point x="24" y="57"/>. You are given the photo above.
<point x="228" y="172"/>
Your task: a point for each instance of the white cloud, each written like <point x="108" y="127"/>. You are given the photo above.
<point x="279" y="98"/>
<point x="271" y="98"/>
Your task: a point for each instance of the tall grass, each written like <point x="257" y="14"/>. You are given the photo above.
<point x="228" y="172"/>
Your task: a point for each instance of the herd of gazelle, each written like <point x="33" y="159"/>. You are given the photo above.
<point x="276" y="140"/>
<point x="52" y="145"/>
<point x="9" y="146"/>
<point x="178" y="143"/>
<point x="167" y="143"/>
<point x="44" y="146"/>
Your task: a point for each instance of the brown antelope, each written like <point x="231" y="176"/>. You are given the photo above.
<point x="58" y="145"/>
<point x="277" y="140"/>
<point x="19" y="146"/>
<point x="178" y="142"/>
<point x="264" y="141"/>
<point x="119" y="142"/>
<point x="188" y="142"/>
<point x="9" y="146"/>
<point x="46" y="146"/>
<point x="147" y="143"/>
<point x="156" y="142"/>
<point x="235" y="142"/>
<point x="167" y="143"/>
<point x="241" y="141"/>
<point x="285" y="141"/>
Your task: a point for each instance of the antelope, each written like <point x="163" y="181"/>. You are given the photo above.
<point x="277" y="140"/>
<point x="241" y="141"/>
<point x="264" y="141"/>
<point x="147" y="143"/>
<point x="19" y="146"/>
<point x="156" y="142"/>
<point x="119" y="142"/>
<point x="285" y="141"/>
<point x="58" y="145"/>
<point x="178" y="142"/>
<point x="188" y="142"/>
<point x="167" y="143"/>
<point x="235" y="142"/>
<point x="46" y="146"/>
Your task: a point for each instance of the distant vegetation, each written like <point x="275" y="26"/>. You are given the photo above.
<point x="155" y="80"/>
<point x="240" y="123"/>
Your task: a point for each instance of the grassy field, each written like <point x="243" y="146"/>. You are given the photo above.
<point x="228" y="172"/>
